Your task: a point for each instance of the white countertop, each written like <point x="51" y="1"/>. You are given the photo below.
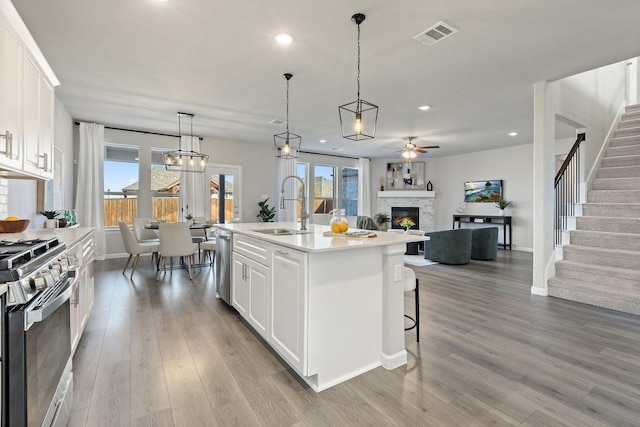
<point x="314" y="240"/>
<point x="69" y="236"/>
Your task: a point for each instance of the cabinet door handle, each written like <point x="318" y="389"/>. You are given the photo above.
<point x="45" y="161"/>
<point x="278" y="251"/>
<point x="8" y="149"/>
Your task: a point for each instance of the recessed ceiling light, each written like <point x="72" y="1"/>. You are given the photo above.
<point x="424" y="107"/>
<point x="283" y="38"/>
<point x="322" y="141"/>
<point x="513" y="133"/>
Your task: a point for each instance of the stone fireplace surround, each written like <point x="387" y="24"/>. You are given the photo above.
<point x="424" y="200"/>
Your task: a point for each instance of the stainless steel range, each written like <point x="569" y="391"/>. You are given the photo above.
<point x="36" y="351"/>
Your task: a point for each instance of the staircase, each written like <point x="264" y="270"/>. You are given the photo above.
<point x="601" y="265"/>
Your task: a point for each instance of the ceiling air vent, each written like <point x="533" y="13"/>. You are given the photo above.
<point x="277" y="122"/>
<point x="435" y="33"/>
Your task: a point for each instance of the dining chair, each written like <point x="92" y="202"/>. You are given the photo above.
<point x="410" y="282"/>
<point x="175" y="241"/>
<point x="133" y="247"/>
<point x="144" y="234"/>
<point x="208" y="249"/>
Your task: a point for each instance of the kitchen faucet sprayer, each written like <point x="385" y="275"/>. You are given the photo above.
<point x="303" y="215"/>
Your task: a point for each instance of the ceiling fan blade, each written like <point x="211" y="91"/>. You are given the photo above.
<point x="428" y="146"/>
<point x="419" y="150"/>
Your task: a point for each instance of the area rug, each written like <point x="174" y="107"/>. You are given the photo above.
<point x="417" y="260"/>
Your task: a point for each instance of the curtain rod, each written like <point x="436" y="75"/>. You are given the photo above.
<point x="141" y="131"/>
<point x="332" y="155"/>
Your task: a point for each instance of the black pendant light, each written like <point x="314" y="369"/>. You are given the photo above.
<point x="185" y="160"/>
<point x="358" y="119"/>
<point x="287" y="144"/>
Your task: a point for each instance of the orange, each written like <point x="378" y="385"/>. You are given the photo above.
<point x="11" y="218"/>
<point x="344" y="226"/>
<point x="335" y="227"/>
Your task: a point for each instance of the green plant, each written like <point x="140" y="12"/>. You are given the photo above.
<point x="189" y="217"/>
<point x="382" y="218"/>
<point x="407" y="223"/>
<point x="502" y="204"/>
<point x="266" y="213"/>
<point x="50" y="214"/>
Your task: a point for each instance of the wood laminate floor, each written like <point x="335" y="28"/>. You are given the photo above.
<point x="169" y="353"/>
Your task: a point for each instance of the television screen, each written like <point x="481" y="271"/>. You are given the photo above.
<point x="483" y="191"/>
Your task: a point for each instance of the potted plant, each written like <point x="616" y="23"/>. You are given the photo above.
<point x="407" y="223"/>
<point x="382" y="220"/>
<point x="266" y="213"/>
<point x="502" y="204"/>
<point x="51" y="221"/>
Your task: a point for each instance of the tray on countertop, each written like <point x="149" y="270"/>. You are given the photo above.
<point x="359" y="234"/>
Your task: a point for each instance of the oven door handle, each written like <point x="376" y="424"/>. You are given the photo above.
<point x="34" y="316"/>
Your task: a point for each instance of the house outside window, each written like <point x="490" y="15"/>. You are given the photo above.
<point x="349" y="194"/>
<point x="165" y="190"/>
<point x="323" y="189"/>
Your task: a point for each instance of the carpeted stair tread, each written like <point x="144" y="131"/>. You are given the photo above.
<point x="611" y="210"/>
<point x="632" y="131"/>
<point x="628" y="302"/>
<point x="602" y="256"/>
<point x="612" y="196"/>
<point x="630" y="121"/>
<point x="613" y="277"/>
<point x="624" y="141"/>
<point x="616" y="183"/>
<point x="600" y="239"/>
<point x="619" y="172"/>
<point x="624" y="150"/>
<point x="609" y="224"/>
<point x="620" y="161"/>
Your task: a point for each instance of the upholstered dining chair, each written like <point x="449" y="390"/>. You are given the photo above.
<point x="208" y="250"/>
<point x="144" y="234"/>
<point x="410" y="282"/>
<point x="175" y="241"/>
<point x="133" y="247"/>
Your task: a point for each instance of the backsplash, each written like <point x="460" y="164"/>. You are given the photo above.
<point x="4" y="191"/>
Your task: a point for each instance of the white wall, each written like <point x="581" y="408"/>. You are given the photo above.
<point x="447" y="174"/>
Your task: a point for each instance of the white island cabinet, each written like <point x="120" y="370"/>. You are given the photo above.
<point x="331" y="306"/>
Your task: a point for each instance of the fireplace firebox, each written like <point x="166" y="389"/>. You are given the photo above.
<point x="399" y="214"/>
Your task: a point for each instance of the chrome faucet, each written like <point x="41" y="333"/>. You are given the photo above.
<point x="302" y="199"/>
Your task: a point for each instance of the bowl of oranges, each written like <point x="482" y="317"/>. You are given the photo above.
<point x="12" y="224"/>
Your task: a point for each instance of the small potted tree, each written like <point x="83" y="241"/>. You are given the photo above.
<point x="51" y="221"/>
<point x="266" y="213"/>
<point x="382" y="220"/>
<point x="502" y="204"/>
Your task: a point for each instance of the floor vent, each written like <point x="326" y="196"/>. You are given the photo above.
<point x="277" y="122"/>
<point x="435" y="33"/>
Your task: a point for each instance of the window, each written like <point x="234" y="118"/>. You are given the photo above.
<point x="165" y="190"/>
<point x="120" y="184"/>
<point x="323" y="189"/>
<point x="349" y="184"/>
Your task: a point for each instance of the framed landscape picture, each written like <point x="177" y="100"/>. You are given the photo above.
<point x="483" y="191"/>
<point x="405" y="176"/>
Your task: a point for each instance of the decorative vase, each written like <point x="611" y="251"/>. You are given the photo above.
<point x="51" y="223"/>
<point x="501" y="212"/>
<point x="189" y="222"/>
<point x="429" y="186"/>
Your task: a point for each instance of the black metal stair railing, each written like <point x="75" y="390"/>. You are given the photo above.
<point x="567" y="188"/>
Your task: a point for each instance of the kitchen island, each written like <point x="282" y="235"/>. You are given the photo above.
<point x="331" y="306"/>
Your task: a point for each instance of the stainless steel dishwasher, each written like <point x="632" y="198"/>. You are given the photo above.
<point x="223" y="265"/>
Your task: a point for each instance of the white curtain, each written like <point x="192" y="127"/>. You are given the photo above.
<point x="364" y="187"/>
<point x="192" y="184"/>
<point x="90" y="186"/>
<point x="287" y="167"/>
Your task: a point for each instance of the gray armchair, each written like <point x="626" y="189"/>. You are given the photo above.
<point x="484" y="243"/>
<point x="449" y="246"/>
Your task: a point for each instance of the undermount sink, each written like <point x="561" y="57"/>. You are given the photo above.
<point x="281" y="231"/>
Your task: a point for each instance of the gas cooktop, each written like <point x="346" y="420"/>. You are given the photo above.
<point x="16" y="253"/>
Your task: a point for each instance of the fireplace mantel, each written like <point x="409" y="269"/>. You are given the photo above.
<point x="414" y="194"/>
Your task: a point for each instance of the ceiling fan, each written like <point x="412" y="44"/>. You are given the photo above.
<point x="411" y="150"/>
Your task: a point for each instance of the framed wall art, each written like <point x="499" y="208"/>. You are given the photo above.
<point x="483" y="191"/>
<point x="405" y="176"/>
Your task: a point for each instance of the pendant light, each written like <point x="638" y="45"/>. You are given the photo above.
<point x="287" y="144"/>
<point x="358" y="119"/>
<point x="185" y="160"/>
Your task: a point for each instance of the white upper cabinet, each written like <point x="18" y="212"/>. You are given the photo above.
<point x="10" y="96"/>
<point x="26" y="101"/>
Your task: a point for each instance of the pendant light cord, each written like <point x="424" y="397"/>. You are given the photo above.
<point x="287" y="109"/>
<point x="358" y="75"/>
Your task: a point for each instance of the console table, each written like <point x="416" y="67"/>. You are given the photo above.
<point x="488" y="219"/>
